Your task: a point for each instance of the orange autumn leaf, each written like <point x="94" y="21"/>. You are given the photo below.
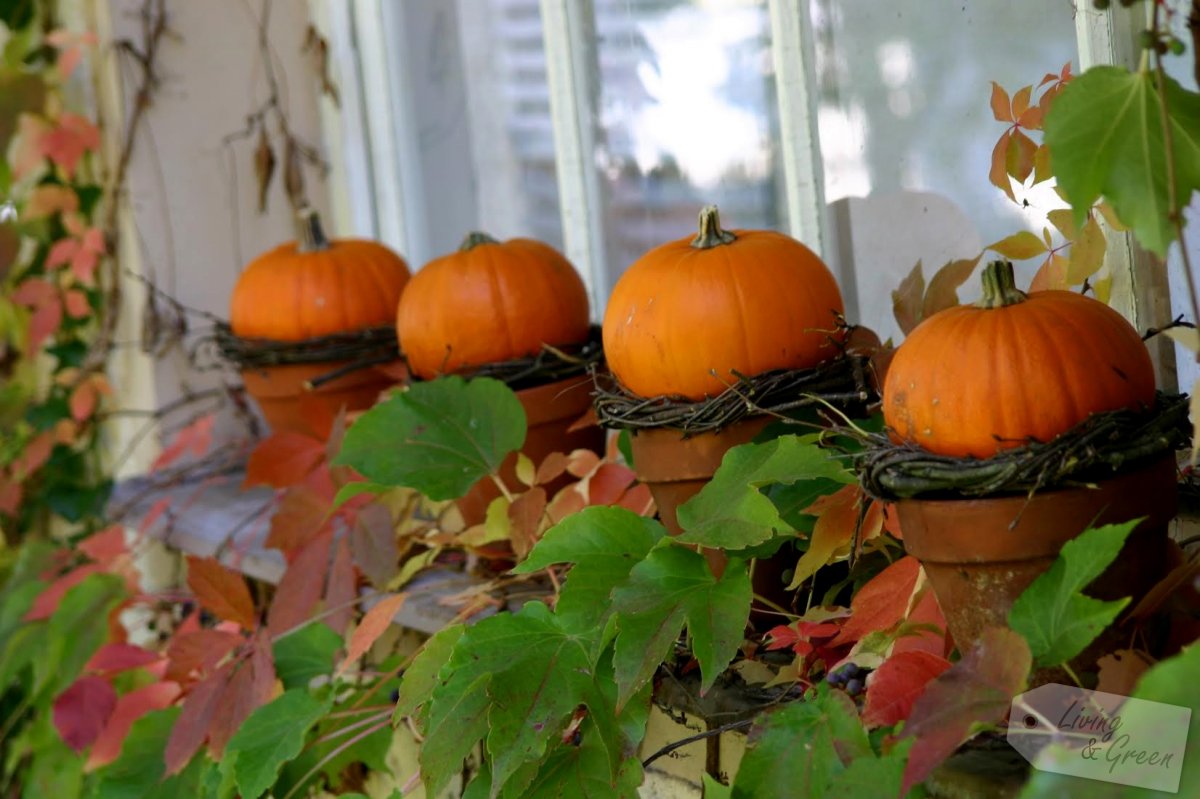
<point x="882" y="602"/>
<point x="374" y="623"/>
<point x="283" y="459"/>
<point x="1052" y="274"/>
<point x="837" y="517"/>
<point x="1001" y="106"/>
<point x="221" y="591"/>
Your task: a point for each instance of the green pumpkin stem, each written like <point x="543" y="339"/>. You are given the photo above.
<point x="999" y="288"/>
<point x="710" y="234"/>
<point x="474" y="239"/>
<point x="311" y="236"/>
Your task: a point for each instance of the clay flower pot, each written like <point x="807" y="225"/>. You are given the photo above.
<point x="283" y="391"/>
<point x="675" y="468"/>
<point x="978" y="567"/>
<point x="549" y="410"/>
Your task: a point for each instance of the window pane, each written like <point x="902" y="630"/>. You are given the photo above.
<point x="687" y="117"/>
<point x="477" y="76"/>
<point x="905" y="122"/>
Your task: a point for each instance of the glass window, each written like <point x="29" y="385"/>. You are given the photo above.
<point x="686" y="116"/>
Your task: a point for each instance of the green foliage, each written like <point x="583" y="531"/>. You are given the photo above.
<point x="671" y="588"/>
<point x="604" y="544"/>
<point x="1053" y="615"/>
<point x="307" y="653"/>
<point x="805" y="745"/>
<point x="72" y="634"/>
<point x="1105" y="134"/>
<point x="731" y="512"/>
<point x="421" y="676"/>
<point x="138" y="772"/>
<point x="271" y="736"/>
<point x="438" y="437"/>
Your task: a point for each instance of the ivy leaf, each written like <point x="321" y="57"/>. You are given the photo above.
<point x="283" y="459"/>
<point x="129" y="708"/>
<point x="882" y="601"/>
<point x="1105" y="135"/>
<point x="421" y="676"/>
<point x="270" y="737"/>
<point x="1019" y="246"/>
<point x="714" y="789"/>
<point x="527" y="673"/>
<point x="1087" y="253"/>
<point x="976" y="690"/>
<point x="803" y="746"/>
<point x="375" y="622"/>
<point x="1052" y="614"/>
<point x="138" y="772"/>
<point x="305" y="654"/>
<point x="438" y="437"/>
<point x="672" y="587"/>
<point x="908" y="299"/>
<point x="72" y="634"/>
<point x="837" y="518"/>
<point x="943" y="286"/>
<point x="897" y="683"/>
<point x="870" y="776"/>
<point x="221" y="591"/>
<point x="81" y="711"/>
<point x="730" y="512"/>
<point x="604" y="544"/>
<point x="1052" y="274"/>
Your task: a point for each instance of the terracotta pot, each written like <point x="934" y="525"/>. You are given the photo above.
<point x="549" y="411"/>
<point x="978" y="566"/>
<point x="282" y="391"/>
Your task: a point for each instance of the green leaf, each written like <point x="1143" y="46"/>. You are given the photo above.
<point x="421" y="677"/>
<point x="714" y="789"/>
<point x="1052" y="614"/>
<point x="872" y="776"/>
<point x="271" y="736"/>
<point x="307" y="653"/>
<point x="672" y="587"/>
<point x="1105" y="135"/>
<point x="731" y="513"/>
<point x="351" y="490"/>
<point x="805" y="745"/>
<point x="439" y="437"/>
<point x="72" y="635"/>
<point x="604" y="544"/>
<point x="138" y="772"/>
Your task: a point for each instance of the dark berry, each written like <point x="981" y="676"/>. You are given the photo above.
<point x="854" y="687"/>
<point x="395" y="695"/>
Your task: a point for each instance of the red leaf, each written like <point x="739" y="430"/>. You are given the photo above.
<point x="582" y="462"/>
<point x="81" y="711"/>
<point x="553" y="466"/>
<point x="341" y="589"/>
<point x="639" y="500"/>
<point x="195" y="718"/>
<point x="303" y="514"/>
<point x="198" y="653"/>
<point x="221" y="591"/>
<point x="130" y="707"/>
<point x="47" y="602"/>
<point x="251" y="686"/>
<point x="897" y="683"/>
<point x="83" y="401"/>
<point x="282" y="460"/>
<point x="608" y="483"/>
<point x="301" y="587"/>
<point x="112" y="658"/>
<point x="883" y="601"/>
<point x="925" y="612"/>
<point x="373" y="624"/>
<point x="76" y="303"/>
<point x="373" y="544"/>
<point x="525" y="515"/>
<point x="782" y="637"/>
<point x="105" y="546"/>
<point x="891" y="522"/>
<point x="11" y="494"/>
<point x="589" y="419"/>
<point x="196" y="437"/>
<point x="567" y="501"/>
<point x="976" y="690"/>
<point x="66" y="143"/>
<point x="1001" y="106"/>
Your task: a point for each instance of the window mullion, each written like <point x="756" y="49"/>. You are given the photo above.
<point x="572" y="72"/>
<point x="1139" y="289"/>
<point x="795" y="79"/>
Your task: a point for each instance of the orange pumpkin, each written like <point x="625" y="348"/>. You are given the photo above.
<point x="317" y="287"/>
<point x="742" y="300"/>
<point x="977" y="379"/>
<point x="490" y="302"/>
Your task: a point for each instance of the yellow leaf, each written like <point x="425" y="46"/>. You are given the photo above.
<point x="1064" y="220"/>
<point x="1110" y="216"/>
<point x="1019" y="246"/>
<point x="412" y="567"/>
<point x="838" y="516"/>
<point x="1041" y="164"/>
<point x="1186" y="337"/>
<point x="1046" y="237"/>
<point x="526" y="472"/>
<point x="1103" y="288"/>
<point x="1087" y="253"/>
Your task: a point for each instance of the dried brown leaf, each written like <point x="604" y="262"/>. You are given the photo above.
<point x="908" y="300"/>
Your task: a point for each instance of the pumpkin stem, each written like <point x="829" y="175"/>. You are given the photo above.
<point x="311" y="236"/>
<point x="999" y="288"/>
<point x="710" y="234"/>
<point x="474" y="239"/>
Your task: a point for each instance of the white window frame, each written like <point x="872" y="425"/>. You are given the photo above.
<point x="389" y="206"/>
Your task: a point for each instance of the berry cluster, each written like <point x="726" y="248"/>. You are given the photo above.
<point x="849" y="676"/>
